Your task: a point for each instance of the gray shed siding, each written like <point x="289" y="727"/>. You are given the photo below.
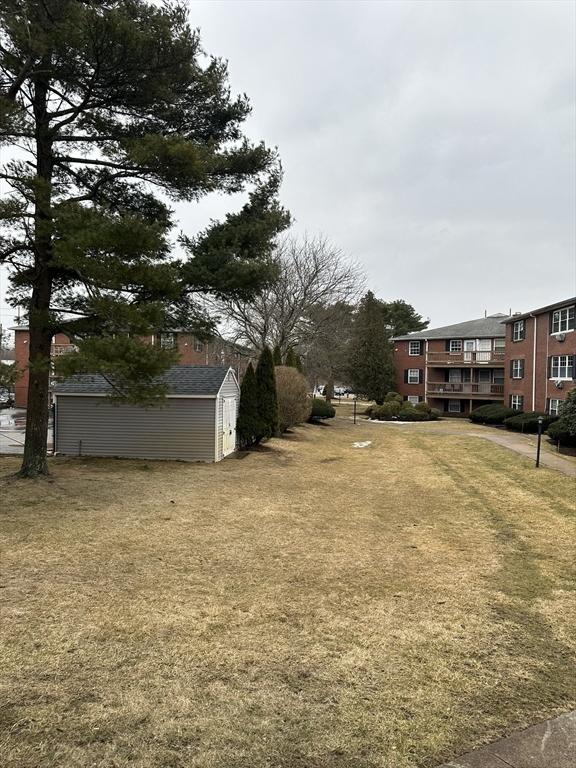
<point x="182" y="429"/>
<point x="229" y="388"/>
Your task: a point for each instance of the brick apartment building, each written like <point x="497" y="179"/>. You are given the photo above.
<point x="541" y="357"/>
<point x="455" y="368"/>
<point x="191" y="350"/>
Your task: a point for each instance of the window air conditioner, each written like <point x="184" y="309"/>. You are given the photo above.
<point x="558" y="384"/>
<point x="560" y="336"/>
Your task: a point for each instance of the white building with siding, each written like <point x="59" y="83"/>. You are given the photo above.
<point x="195" y="422"/>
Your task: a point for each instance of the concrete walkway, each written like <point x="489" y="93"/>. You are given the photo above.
<point x="551" y="744"/>
<point x="525" y="445"/>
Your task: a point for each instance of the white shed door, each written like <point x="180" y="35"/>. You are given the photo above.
<point x="229" y="426"/>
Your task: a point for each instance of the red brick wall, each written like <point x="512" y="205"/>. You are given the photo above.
<point x="212" y="353"/>
<point x="402" y="361"/>
<point x="546" y="346"/>
<point x="21" y="346"/>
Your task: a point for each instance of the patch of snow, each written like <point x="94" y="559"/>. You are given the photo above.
<point x="362" y="444"/>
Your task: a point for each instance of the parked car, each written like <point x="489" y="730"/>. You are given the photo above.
<point x="6" y="399"/>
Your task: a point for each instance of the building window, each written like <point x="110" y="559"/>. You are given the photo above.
<point x="413" y="376"/>
<point x="519" y="331"/>
<point x="517" y="402"/>
<point x="455" y="346"/>
<point x="562" y="367"/>
<point x="414" y="399"/>
<point x="563" y="320"/>
<point x="454" y="406"/>
<point x="414" y="348"/>
<point x="499" y="345"/>
<point x="498" y="376"/>
<point x="554" y="406"/>
<point x="517" y="369"/>
<point x="167" y="340"/>
<point x="198" y="346"/>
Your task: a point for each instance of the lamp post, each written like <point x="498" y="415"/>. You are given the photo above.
<point x="540" y="420"/>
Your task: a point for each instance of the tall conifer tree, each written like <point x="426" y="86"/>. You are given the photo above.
<point x="248" y="422"/>
<point x="267" y="398"/>
<point x="114" y="102"/>
<point x="371" y="368"/>
<point x="277" y="355"/>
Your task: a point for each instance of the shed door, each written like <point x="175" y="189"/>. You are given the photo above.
<point x="229" y="426"/>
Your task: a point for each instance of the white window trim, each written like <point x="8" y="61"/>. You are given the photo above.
<point x="164" y="338"/>
<point x="562" y="378"/>
<point x="520" y="402"/>
<point x="518" y="370"/>
<point x="559" y="312"/>
<point x="414" y="370"/>
<point x="558" y="402"/>
<point x="414" y="399"/>
<point x="414" y="354"/>
<point x="519" y="325"/>
<point x="455" y="351"/>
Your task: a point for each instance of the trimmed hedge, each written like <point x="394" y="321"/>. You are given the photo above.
<point x="321" y="410"/>
<point x="528" y="422"/>
<point x="493" y="413"/>
<point x="405" y="411"/>
<point x="558" y="432"/>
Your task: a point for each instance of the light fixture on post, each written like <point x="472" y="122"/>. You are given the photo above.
<point x="540" y="422"/>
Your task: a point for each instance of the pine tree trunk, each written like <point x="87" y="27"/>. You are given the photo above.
<point x="35" y="463"/>
<point x="39" y="320"/>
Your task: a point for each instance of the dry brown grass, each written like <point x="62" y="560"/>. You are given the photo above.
<point x="312" y="605"/>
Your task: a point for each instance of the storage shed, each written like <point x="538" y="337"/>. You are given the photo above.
<point x="196" y="422"/>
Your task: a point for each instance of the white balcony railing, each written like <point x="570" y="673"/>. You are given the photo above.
<point x="465" y="388"/>
<point x="466" y="358"/>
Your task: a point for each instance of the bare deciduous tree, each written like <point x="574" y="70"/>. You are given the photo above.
<point x="312" y="274"/>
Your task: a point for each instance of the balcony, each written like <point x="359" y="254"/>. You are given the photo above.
<point x="478" y="389"/>
<point x="61" y="349"/>
<point x="465" y="358"/>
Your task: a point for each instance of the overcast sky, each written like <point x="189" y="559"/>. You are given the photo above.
<point x="434" y="142"/>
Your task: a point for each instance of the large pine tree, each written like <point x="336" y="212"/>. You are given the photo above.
<point x="117" y="110"/>
<point x="267" y="398"/>
<point x="371" y="368"/>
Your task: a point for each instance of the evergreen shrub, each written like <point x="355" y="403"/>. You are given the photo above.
<point x="321" y="410"/>
<point x="558" y="432"/>
<point x="492" y="413"/>
<point x="267" y="398"/>
<point x="528" y="422"/>
<point x="248" y="426"/>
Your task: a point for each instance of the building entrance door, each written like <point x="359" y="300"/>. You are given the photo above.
<point x="229" y="426"/>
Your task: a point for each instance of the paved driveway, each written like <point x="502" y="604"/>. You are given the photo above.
<point x="13" y="430"/>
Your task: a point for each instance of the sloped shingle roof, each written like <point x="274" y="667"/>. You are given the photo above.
<point x="541" y="310"/>
<point x="483" y="328"/>
<point x="181" y="380"/>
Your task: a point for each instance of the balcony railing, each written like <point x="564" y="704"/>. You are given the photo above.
<point x="61" y="349"/>
<point x="466" y="358"/>
<point x="481" y="388"/>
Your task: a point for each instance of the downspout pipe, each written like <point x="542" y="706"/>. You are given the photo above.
<point x="425" y="370"/>
<point x="535" y="318"/>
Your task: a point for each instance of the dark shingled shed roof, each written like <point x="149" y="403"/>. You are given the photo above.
<point x="181" y="380"/>
<point x="483" y="328"/>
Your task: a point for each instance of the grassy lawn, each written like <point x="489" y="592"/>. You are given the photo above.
<point x="312" y="605"/>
